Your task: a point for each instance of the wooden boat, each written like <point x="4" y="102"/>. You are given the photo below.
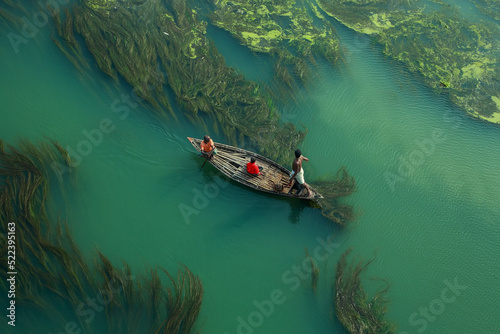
<point x="232" y="162"/>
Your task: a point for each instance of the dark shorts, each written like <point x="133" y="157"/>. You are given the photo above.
<point x="213" y="152"/>
<point x="297" y="186"/>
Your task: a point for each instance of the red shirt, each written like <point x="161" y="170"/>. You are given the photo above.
<point x="252" y="168"/>
<point x="207" y="147"/>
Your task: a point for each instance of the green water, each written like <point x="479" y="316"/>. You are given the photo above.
<point x="427" y="177"/>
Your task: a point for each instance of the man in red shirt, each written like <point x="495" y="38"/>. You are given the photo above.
<point x="252" y="167"/>
<point x="207" y="147"/>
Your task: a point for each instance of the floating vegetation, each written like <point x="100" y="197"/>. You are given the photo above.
<point x="333" y="191"/>
<point x="356" y="311"/>
<point x="53" y="279"/>
<point x="285" y="29"/>
<point x="11" y="11"/>
<point x="365" y="16"/>
<point x="450" y="53"/>
<point x="314" y="272"/>
<point x="160" y="49"/>
<point x="489" y="7"/>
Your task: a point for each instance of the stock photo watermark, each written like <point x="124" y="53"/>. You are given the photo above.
<point x="31" y="26"/>
<point x="11" y="271"/>
<point x="88" y="308"/>
<point x="94" y="137"/>
<point x="201" y="198"/>
<point x="430" y="313"/>
<point x="407" y="165"/>
<point x="359" y="42"/>
<point x="293" y="278"/>
<point x="288" y="116"/>
<point x="424" y="148"/>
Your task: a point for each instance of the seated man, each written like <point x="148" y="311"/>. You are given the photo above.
<point x="252" y="167"/>
<point x="207" y="147"/>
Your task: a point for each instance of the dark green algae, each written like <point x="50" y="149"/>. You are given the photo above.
<point x="489" y="7"/>
<point x="55" y="286"/>
<point x="334" y="190"/>
<point x="11" y="12"/>
<point x="358" y="312"/>
<point x="294" y="32"/>
<point x="160" y="48"/>
<point x="451" y="54"/>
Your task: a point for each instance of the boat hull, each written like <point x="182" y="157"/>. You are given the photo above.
<point x="232" y="161"/>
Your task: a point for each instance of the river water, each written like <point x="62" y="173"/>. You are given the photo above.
<point x="428" y="191"/>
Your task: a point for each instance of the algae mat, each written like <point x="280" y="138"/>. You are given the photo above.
<point x="452" y="54"/>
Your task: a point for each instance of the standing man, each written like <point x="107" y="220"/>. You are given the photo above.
<point x="298" y="172"/>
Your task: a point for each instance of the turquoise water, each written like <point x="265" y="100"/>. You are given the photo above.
<point x="427" y="178"/>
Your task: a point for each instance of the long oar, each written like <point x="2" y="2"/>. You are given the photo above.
<point x="204" y="162"/>
<point x="206" y="159"/>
